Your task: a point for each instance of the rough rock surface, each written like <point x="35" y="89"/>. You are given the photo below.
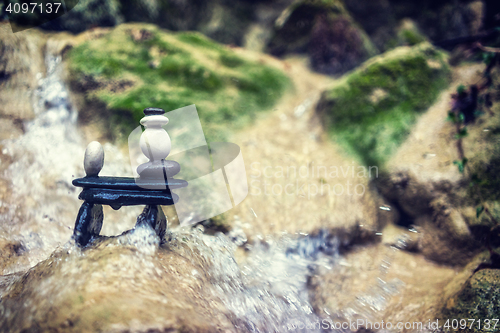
<point x="21" y="59"/>
<point x="306" y="189"/>
<point x="478" y="299"/>
<point x="325" y="31"/>
<point x="370" y="111"/>
<point x="123" y="283"/>
<point x="425" y="185"/>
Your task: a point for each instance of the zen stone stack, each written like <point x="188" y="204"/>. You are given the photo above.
<point x="153" y="188"/>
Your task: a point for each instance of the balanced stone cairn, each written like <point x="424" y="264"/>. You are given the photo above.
<point x="152" y="188"/>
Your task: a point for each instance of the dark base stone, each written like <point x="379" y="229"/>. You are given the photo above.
<point x="119" y="198"/>
<point x="153" y="217"/>
<point x="88" y="223"/>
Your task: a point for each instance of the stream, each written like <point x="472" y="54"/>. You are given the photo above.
<point x="267" y="291"/>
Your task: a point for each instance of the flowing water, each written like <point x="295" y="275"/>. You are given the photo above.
<point x="266" y="292"/>
<point x="41" y="211"/>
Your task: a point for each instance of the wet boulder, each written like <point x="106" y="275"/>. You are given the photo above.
<point x="324" y="31"/>
<point x="423" y="182"/>
<point x="126" y="283"/>
<point x="21" y="60"/>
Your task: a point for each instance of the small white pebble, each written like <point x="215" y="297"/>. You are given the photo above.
<point x="94" y="159"/>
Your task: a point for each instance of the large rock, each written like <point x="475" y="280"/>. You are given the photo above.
<point x="325" y="31"/>
<point x="424" y="184"/>
<point x="377" y="18"/>
<point x="121" y="284"/>
<point x="370" y="112"/>
<point x="438" y="20"/>
<point x="477" y="300"/>
<point x="437" y="210"/>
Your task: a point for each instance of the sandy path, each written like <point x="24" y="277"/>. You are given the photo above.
<point x="298" y="179"/>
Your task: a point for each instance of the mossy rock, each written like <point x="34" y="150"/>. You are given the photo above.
<point x="370" y="111"/>
<point x="479" y="299"/>
<point x="325" y="31"/>
<point x="135" y="66"/>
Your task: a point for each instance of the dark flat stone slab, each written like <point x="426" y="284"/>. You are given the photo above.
<point x="127" y="183"/>
<point x="118" y="198"/>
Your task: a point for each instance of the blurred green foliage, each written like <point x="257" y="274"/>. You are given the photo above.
<point x="371" y="111"/>
<point x="162" y="69"/>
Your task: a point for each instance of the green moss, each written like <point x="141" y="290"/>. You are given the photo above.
<point x="371" y="111"/>
<point x="197" y="39"/>
<point x="171" y="71"/>
<point x="412" y="37"/>
<point x="230" y="60"/>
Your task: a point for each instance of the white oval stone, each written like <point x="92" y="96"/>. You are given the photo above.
<point x="94" y="159"/>
<point x="155" y="141"/>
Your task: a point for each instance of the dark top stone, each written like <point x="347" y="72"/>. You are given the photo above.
<point x="153" y="111"/>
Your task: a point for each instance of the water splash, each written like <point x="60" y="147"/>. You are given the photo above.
<point x="44" y="162"/>
<point x="267" y="292"/>
<point x="41" y="211"/>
